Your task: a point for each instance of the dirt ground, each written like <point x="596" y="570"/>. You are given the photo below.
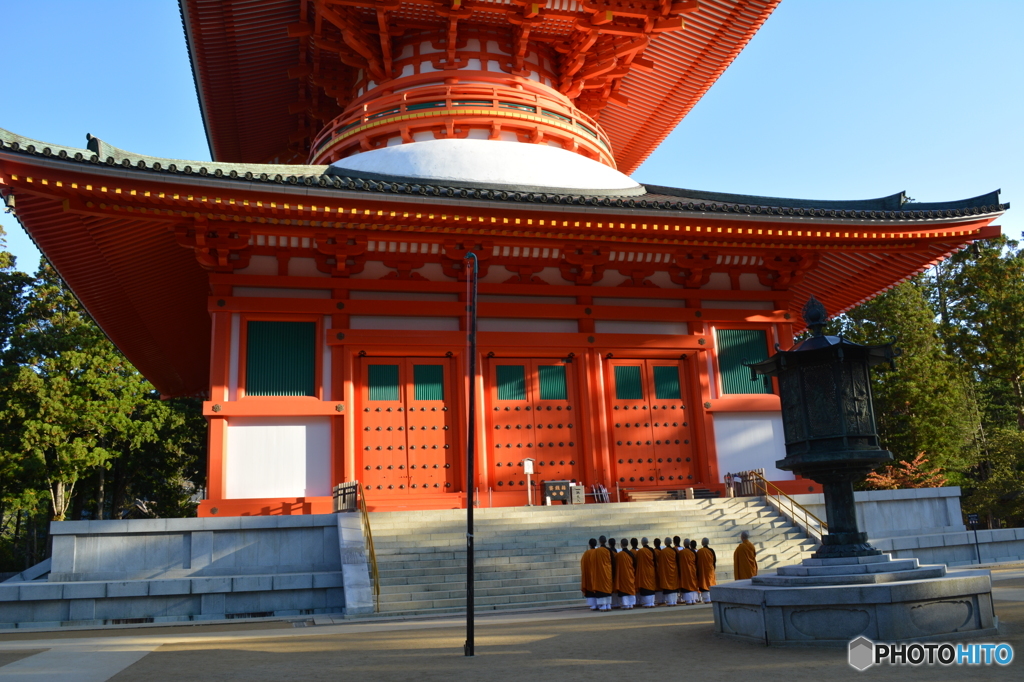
<point x="672" y="642"/>
<point x="571" y="644"/>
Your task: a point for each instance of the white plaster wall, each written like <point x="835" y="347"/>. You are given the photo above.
<point x="750" y="440"/>
<point x="440" y="324"/>
<point x="259" y="265"/>
<point x="401" y="296"/>
<point x="718" y="280"/>
<point x="512" y="324"/>
<point x="280" y="292"/>
<point x="641" y="302"/>
<point x="304" y="267"/>
<point x="278" y="457"/>
<point x="639" y="327"/>
<point x="501" y="298"/>
<point x="738" y="305"/>
<point x="750" y="282"/>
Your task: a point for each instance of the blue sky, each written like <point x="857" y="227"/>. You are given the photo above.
<point x="831" y="100"/>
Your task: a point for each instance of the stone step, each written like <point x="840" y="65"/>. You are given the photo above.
<point x="418" y="546"/>
<point x="583" y="525"/>
<point x="571" y="568"/>
<point x="550" y="604"/>
<point x="529" y="557"/>
<point x="512" y="600"/>
<point x="541" y="519"/>
<point x="512" y="579"/>
<point x="454" y="591"/>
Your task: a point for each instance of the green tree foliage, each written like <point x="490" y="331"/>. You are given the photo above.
<point x="999" y="489"/>
<point x="82" y="433"/>
<point x="73" y="396"/>
<point x="980" y="296"/>
<point x="924" y="404"/>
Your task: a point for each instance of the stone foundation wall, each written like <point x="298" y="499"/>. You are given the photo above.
<point x="166" y="570"/>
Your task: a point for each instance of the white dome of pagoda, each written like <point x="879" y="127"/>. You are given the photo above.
<point x="490" y="162"/>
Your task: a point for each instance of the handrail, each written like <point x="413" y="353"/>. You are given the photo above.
<point x="370" y="553"/>
<point x="775" y="495"/>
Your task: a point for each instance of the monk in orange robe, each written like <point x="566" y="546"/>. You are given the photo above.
<point x="625" y="576"/>
<point x="688" y="575"/>
<point x="744" y="559"/>
<point x="668" y="573"/>
<point x="585" y="587"/>
<point x="706" y="564"/>
<point x="646" y="574"/>
<point x="601" y="578"/>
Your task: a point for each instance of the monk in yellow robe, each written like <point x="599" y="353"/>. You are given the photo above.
<point x="688" y="575"/>
<point x="625" y="576"/>
<point x="744" y="559"/>
<point x="601" y="577"/>
<point x="668" y="573"/>
<point x="707" y="561"/>
<point x="585" y="586"/>
<point x="646" y="574"/>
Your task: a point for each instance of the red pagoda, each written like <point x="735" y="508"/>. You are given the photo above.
<point x="310" y="282"/>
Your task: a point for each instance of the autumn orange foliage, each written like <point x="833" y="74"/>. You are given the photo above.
<point x="916" y="473"/>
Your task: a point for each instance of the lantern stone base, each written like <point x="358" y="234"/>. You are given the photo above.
<point x="828" y="602"/>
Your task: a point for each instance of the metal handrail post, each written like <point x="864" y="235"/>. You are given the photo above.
<point x="470" y="646"/>
<point x="370" y="551"/>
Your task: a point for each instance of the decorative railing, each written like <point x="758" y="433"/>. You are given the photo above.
<point x="475" y="100"/>
<point x="349" y="496"/>
<point x="794" y="511"/>
<point x="371" y="555"/>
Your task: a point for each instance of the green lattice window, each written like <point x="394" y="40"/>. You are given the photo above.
<point x="428" y="382"/>
<point x="666" y="383"/>
<point x="628" y="385"/>
<point x="552" y="382"/>
<point x="280" y="358"/>
<point x="511" y="382"/>
<point x="382" y="382"/>
<point x="736" y="346"/>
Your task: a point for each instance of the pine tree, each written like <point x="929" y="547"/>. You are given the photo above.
<point x="79" y="408"/>
<point x="923" y="405"/>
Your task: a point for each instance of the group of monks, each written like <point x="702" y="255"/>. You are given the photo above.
<point x="661" y="574"/>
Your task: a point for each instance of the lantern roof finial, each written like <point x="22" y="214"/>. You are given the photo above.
<point x="815" y="316"/>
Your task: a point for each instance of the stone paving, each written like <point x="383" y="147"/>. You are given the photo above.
<point x="566" y="644"/>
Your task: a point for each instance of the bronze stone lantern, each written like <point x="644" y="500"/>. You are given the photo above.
<point x="829" y="423"/>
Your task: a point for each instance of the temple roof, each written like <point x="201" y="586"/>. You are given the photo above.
<point x="892" y="208"/>
<point x="114" y="225"/>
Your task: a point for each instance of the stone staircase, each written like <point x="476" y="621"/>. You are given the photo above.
<point x="528" y="557"/>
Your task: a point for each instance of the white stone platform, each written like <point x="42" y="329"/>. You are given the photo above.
<point x="828" y="602"/>
<point x="171" y="570"/>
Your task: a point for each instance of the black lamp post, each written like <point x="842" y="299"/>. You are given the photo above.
<point x="829" y="423"/>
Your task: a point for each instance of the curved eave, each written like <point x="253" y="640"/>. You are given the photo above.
<point x="150" y="295"/>
<point x="687" y="64"/>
